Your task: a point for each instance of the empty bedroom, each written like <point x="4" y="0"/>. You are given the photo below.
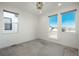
<point x="39" y="28"/>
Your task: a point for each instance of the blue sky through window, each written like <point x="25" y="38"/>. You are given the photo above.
<point x="68" y="19"/>
<point x="53" y="21"/>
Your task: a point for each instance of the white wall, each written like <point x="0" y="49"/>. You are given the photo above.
<point x="26" y="27"/>
<point x="31" y="26"/>
<point x="64" y="38"/>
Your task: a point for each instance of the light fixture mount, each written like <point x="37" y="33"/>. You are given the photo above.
<point x="39" y="6"/>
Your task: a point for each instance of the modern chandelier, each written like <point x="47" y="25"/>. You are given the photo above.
<point x="39" y="6"/>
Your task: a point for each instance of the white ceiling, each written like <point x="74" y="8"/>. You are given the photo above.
<point x="31" y="6"/>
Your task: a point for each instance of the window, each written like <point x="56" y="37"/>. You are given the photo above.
<point x="10" y="21"/>
<point x="68" y="21"/>
<point x="53" y="23"/>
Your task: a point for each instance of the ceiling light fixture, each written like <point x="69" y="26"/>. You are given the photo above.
<point x="39" y="6"/>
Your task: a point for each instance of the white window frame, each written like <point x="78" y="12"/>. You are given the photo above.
<point x="14" y="24"/>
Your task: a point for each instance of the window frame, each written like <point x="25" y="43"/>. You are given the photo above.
<point x="74" y="10"/>
<point x="13" y="23"/>
<point x="8" y="23"/>
<point x="57" y="22"/>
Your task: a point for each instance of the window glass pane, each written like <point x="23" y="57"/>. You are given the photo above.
<point x="68" y="21"/>
<point x="8" y="23"/>
<point x="53" y="23"/>
<point x="8" y="26"/>
<point x="7" y="20"/>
